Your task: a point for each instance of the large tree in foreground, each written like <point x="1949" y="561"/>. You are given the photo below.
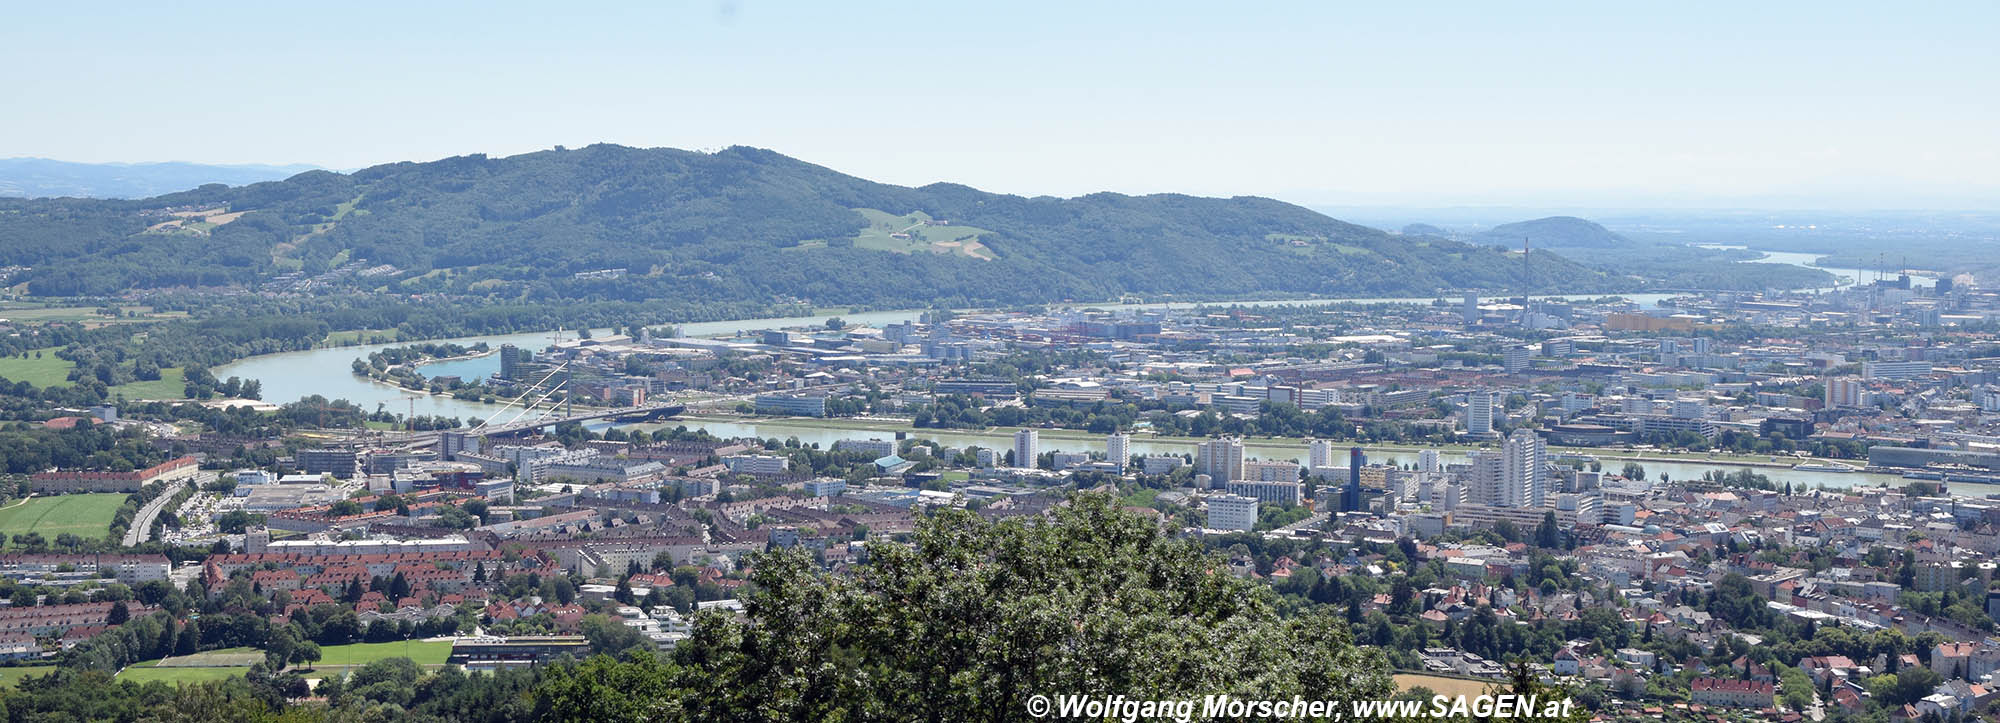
<point x="979" y="616"/>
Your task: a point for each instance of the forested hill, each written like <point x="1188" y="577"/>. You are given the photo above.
<point x="1567" y="232"/>
<point x="610" y="222"/>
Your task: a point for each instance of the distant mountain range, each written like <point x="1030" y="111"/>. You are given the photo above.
<point x="743" y="224"/>
<point x="1663" y="262"/>
<point x="611" y="222"/>
<point x="44" y="178"/>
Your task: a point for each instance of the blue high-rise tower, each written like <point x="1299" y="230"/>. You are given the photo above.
<point x="1351" y="501"/>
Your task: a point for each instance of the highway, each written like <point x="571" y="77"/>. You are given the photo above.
<point x="142" y="523"/>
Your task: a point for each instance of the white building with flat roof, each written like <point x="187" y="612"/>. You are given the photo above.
<point x="1232" y="512"/>
<point x="1118" y="449"/>
<point x="1479" y="409"/>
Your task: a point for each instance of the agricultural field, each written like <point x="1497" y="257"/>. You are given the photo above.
<point x="18" y="312"/>
<point x="46" y="371"/>
<point x="86" y="515"/>
<point x="919" y="232"/>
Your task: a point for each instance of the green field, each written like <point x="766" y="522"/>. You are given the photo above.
<point x="334" y="660"/>
<point x="10" y="676"/>
<point x="147" y="672"/>
<point x="239" y="657"/>
<point x="424" y="652"/>
<point x="172" y="384"/>
<point x="48" y="371"/>
<point x="920" y="235"/>
<point x="86" y="515"/>
<point x="16" y="313"/>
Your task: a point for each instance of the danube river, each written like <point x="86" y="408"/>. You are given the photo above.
<point x="329" y="372"/>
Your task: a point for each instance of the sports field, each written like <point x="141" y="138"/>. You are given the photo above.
<point x="423" y="652"/>
<point x="86" y="515"/>
<point x="240" y="657"/>
<point x="1445" y="685"/>
<point x="334" y="660"/>
<point x="148" y="672"/>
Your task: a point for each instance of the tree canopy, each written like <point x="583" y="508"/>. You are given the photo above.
<point x="974" y="619"/>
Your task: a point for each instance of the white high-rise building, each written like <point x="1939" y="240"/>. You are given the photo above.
<point x="1516" y="358"/>
<point x="1430" y="462"/>
<point x="1027" y="447"/>
<point x="1479" y="405"/>
<point x="1232" y="512"/>
<point x="1220" y="459"/>
<point x="1319" y="453"/>
<point x="1485" y="478"/>
<point x="1527" y="474"/>
<point x="1118" y="449"/>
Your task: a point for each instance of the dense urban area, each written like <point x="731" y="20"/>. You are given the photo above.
<point x="1718" y="505"/>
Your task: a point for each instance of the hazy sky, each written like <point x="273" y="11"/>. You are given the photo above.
<point x="1800" y="104"/>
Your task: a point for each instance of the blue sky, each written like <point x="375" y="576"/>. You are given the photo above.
<point x="1785" y="104"/>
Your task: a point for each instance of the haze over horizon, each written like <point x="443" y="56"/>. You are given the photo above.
<point x="1463" y="105"/>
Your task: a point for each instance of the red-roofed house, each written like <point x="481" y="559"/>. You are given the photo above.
<point x="1952" y="660"/>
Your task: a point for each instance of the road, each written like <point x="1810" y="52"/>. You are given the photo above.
<point x="142" y="523"/>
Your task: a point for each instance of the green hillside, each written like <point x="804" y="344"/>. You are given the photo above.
<point x="738" y="224"/>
